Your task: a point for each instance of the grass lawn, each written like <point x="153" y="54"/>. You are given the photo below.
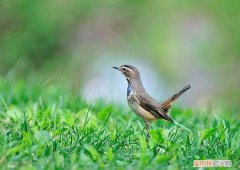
<point x="49" y="127"/>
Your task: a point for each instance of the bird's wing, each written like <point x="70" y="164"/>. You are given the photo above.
<point x="157" y="111"/>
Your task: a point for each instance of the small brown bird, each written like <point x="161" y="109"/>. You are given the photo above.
<point x="141" y="103"/>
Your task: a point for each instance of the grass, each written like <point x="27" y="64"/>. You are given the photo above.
<point x="48" y="127"/>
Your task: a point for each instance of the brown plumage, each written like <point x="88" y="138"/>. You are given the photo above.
<point x="141" y="102"/>
<point x="168" y="103"/>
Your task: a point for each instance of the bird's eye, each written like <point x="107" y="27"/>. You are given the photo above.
<point x="124" y="69"/>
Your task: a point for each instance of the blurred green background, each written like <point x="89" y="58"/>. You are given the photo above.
<point x="173" y="43"/>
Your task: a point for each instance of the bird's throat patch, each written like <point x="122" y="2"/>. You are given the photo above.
<point x="129" y="89"/>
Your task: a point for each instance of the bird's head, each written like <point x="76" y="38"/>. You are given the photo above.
<point x="130" y="72"/>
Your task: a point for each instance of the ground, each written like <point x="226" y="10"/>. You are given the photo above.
<point x="49" y="127"/>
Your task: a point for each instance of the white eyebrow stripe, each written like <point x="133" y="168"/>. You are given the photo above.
<point x="127" y="68"/>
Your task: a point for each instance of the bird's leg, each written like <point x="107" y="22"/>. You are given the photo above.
<point x="147" y="124"/>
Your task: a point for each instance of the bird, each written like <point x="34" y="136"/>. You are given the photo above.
<point x="141" y="103"/>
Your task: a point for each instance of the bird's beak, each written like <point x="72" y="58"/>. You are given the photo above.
<point x="117" y="68"/>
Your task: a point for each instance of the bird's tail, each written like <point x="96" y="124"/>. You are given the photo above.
<point x="168" y="103"/>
